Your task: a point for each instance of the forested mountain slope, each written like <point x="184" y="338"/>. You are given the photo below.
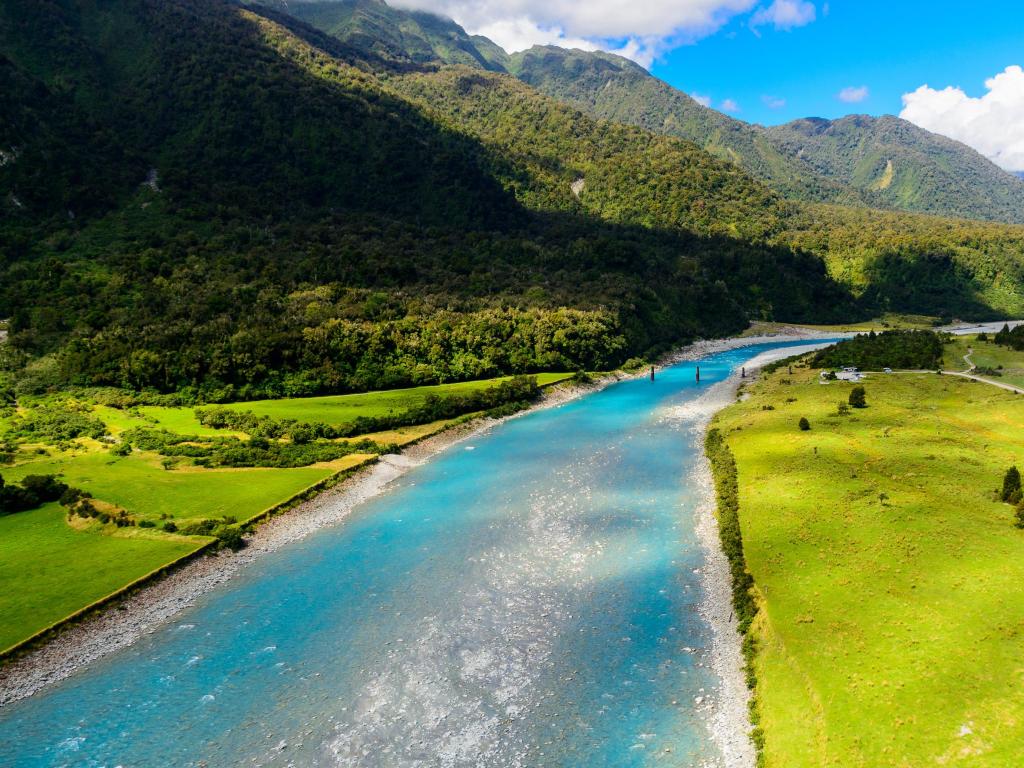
<point x="615" y="88"/>
<point x="881" y="162"/>
<point x="897" y="165"/>
<point x="197" y="196"/>
<point x="885" y="162"/>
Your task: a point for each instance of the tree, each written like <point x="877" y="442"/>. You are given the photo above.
<point x="1011" y="486"/>
<point x="858" y="397"/>
<point x="805" y="425"/>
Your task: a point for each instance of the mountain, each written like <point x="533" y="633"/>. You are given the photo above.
<point x="880" y="162"/>
<point x="398" y="35"/>
<point x="614" y="88"/>
<point x="897" y="165"/>
<point x="221" y="201"/>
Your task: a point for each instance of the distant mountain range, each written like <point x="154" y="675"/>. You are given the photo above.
<point x="880" y="162"/>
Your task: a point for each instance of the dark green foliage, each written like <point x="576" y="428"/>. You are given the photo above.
<point x="723" y="467"/>
<point x="170" y="527"/>
<point x="727" y="492"/>
<point x="57" y="421"/>
<point x="804" y="424"/>
<point x="32" y="492"/>
<point x="858" y="397"/>
<point x="915" y="350"/>
<point x="1019" y="515"/>
<point x="1010" y="337"/>
<point x="1011" y="491"/>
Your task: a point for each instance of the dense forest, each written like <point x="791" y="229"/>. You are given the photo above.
<point x="909" y="350"/>
<point x="224" y="202"/>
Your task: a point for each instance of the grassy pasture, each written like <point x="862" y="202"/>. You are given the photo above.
<point x="892" y="623"/>
<point x="49" y="569"/>
<point x="342" y="409"/>
<point x="986" y="354"/>
<point x="139" y="484"/>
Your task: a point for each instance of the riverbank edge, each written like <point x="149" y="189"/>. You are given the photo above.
<point x="141" y="608"/>
<point x="728" y="709"/>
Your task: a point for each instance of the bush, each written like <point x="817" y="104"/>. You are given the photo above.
<point x="33" y="492"/>
<point x="1019" y="515"/>
<point x="805" y="425"/>
<point x="170" y="527"/>
<point x="230" y="538"/>
<point x="858" y="397"/>
<point x="1011" y="492"/>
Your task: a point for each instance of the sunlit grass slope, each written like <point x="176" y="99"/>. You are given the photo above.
<point x="892" y="623"/>
<point x="342" y="409"/>
<point x="49" y="569"/>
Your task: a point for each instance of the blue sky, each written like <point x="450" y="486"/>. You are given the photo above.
<point x="891" y="47"/>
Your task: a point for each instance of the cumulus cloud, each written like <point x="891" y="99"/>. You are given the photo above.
<point x="704" y="101"/>
<point x="773" y="102"/>
<point x="639" y="30"/>
<point x="785" y="14"/>
<point x="730" y="105"/>
<point x="854" y="94"/>
<point x="992" y="124"/>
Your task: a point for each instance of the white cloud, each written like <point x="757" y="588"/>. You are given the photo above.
<point x="729" y="105"/>
<point x="854" y="94"/>
<point x="640" y="30"/>
<point x="704" y="101"/>
<point x="993" y="124"/>
<point x="773" y="102"/>
<point x="785" y="14"/>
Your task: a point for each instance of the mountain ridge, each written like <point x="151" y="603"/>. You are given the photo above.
<point x="929" y="173"/>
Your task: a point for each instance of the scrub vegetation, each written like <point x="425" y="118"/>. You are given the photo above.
<point x="886" y="568"/>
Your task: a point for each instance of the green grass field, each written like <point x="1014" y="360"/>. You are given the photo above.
<point x="890" y="580"/>
<point x="141" y="485"/>
<point x="342" y="409"/>
<point x="986" y="355"/>
<point x="49" y="569"/>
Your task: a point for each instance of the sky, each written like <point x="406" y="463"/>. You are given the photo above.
<point x="952" y="68"/>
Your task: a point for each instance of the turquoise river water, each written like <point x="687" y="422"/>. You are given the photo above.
<point x="528" y="598"/>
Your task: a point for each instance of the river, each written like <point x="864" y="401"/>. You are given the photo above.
<point x="528" y="598"/>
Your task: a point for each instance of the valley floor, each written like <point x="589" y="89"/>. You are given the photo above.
<point x="887" y="574"/>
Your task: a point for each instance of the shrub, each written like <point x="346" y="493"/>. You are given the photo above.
<point x="1019" y="515"/>
<point x="170" y="527"/>
<point x="147" y="524"/>
<point x="1011" y="492"/>
<point x="858" y="397"/>
<point x="805" y="425"/>
<point x="230" y="538"/>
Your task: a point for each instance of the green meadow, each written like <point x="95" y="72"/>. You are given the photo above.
<point x="891" y="630"/>
<point x="139" y="484"/>
<point x="49" y="569"/>
<point x="987" y="355"/>
<point x="342" y="409"/>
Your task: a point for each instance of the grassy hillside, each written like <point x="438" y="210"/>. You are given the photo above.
<point x="887" y="574"/>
